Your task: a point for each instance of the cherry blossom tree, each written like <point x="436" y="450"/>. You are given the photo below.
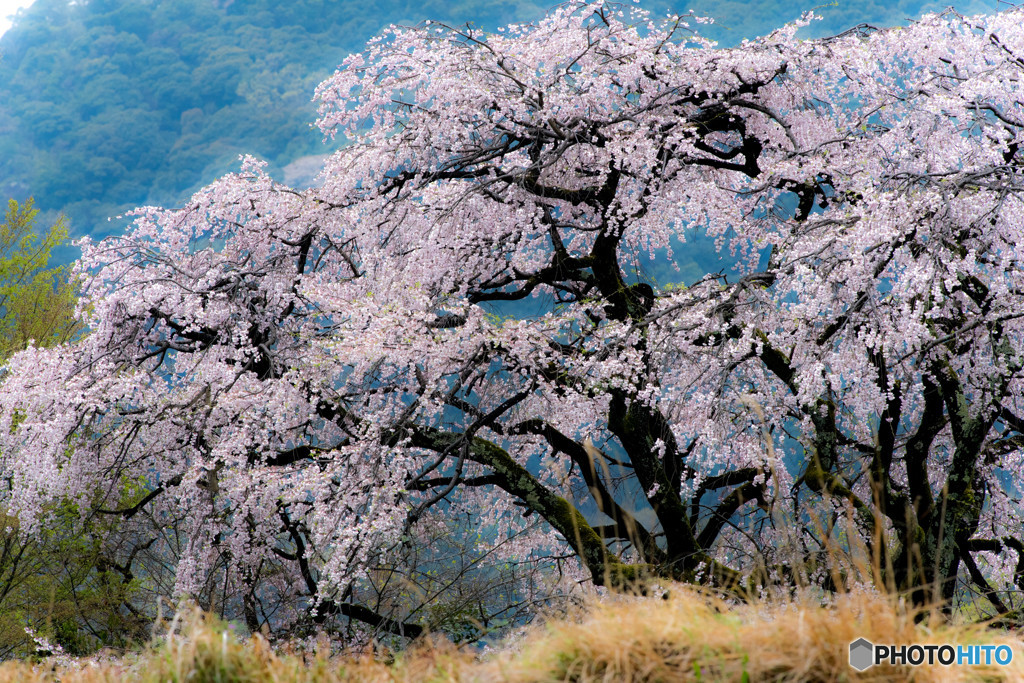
<point x="319" y="381"/>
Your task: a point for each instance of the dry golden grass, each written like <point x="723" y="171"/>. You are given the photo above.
<point x="693" y="637"/>
<point x="689" y="637"/>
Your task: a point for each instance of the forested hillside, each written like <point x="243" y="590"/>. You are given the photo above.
<point x="113" y="103"/>
<point x="109" y="104"/>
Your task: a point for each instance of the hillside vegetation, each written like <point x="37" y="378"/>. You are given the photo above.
<point x="110" y="104"/>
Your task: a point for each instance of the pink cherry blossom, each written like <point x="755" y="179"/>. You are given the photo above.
<point x="317" y="380"/>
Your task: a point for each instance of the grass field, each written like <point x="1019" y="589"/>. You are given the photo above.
<point x="689" y="636"/>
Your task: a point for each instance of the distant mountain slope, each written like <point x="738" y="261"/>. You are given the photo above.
<point x="108" y="104"/>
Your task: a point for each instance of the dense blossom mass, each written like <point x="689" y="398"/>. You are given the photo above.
<point x="315" y="383"/>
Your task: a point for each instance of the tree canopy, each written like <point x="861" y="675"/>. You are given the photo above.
<point x="315" y="381"/>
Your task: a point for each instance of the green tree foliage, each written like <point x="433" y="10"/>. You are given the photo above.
<point x="62" y="584"/>
<point x="37" y="303"/>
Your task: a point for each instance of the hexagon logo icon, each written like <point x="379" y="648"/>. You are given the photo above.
<point x="861" y="654"/>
